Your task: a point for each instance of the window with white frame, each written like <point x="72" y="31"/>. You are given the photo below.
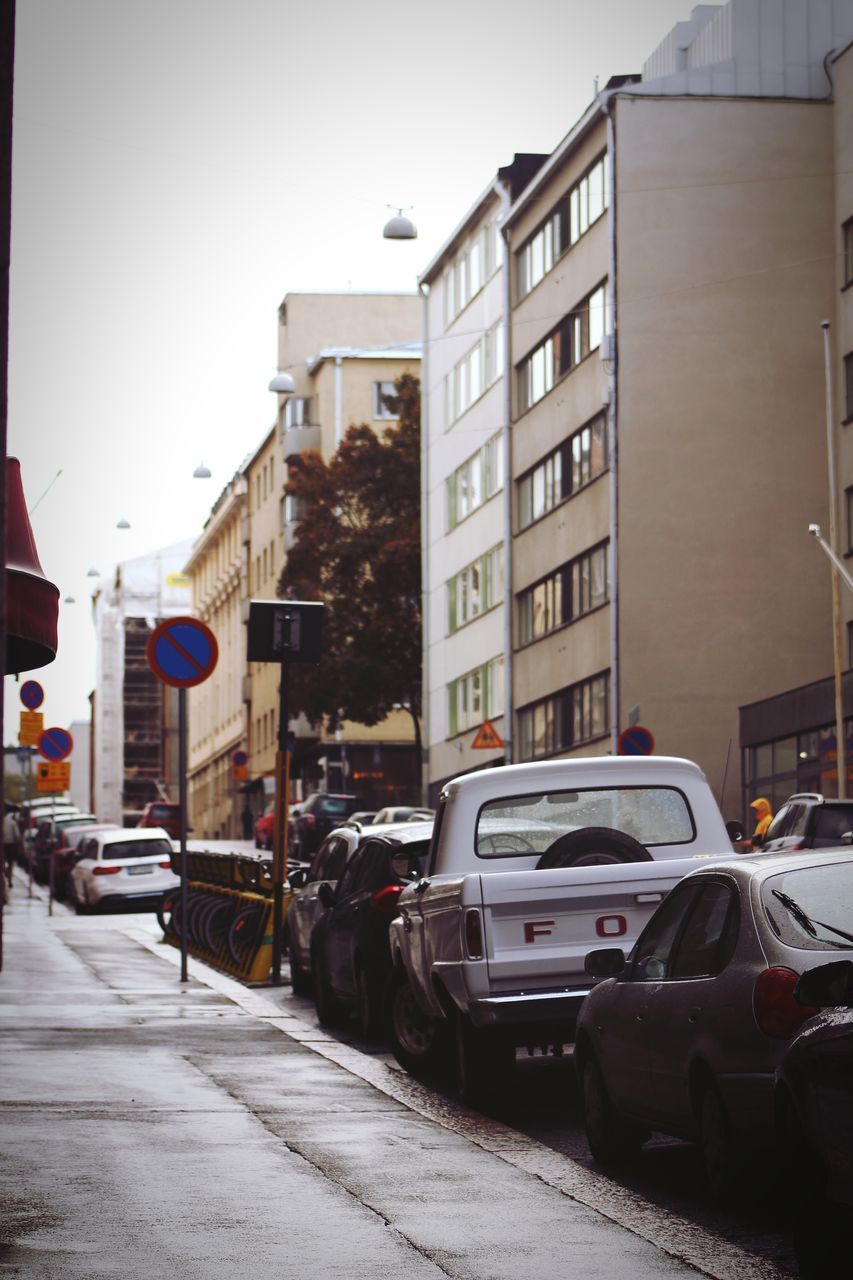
<point x="478" y="369"/>
<point x="475" y="697"/>
<point x="381" y="391"/>
<point x="479" y="478"/>
<point x="574" y="464"/>
<point x="571" y="217"/>
<point x="465" y="277"/>
<point x="578" y="714"/>
<point x="579" y="333"/>
<point x="476" y="589"/>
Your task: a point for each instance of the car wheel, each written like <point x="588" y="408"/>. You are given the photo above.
<point x="612" y="1140"/>
<point x="484" y="1063"/>
<point x="716" y="1145"/>
<point x="419" y="1042"/>
<point x="371" y="1014"/>
<point x="301" y="982"/>
<point x="330" y="1011"/>
<point x="592" y="847"/>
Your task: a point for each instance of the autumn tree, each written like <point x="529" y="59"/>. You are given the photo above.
<point x="357" y="549"/>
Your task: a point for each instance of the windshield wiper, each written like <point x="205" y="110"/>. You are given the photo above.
<point x="805" y="921"/>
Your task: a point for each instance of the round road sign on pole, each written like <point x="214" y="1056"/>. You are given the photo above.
<point x="32" y="694"/>
<point x="182" y="652"/>
<point x="636" y="741"/>
<point x="55" y="744"/>
<point x="239" y="758"/>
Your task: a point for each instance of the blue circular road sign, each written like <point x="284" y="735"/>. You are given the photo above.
<point x="636" y="741"/>
<point x="55" y="744"/>
<point x="32" y="694"/>
<point x="182" y="652"/>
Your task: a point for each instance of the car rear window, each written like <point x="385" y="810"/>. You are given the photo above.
<point x="812" y="907"/>
<point x="123" y="850"/>
<point x="163" y="810"/>
<point x="831" y="823"/>
<point x="333" y="805"/>
<point x="530" y="824"/>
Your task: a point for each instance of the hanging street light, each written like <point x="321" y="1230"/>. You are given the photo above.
<point x="399" y="227"/>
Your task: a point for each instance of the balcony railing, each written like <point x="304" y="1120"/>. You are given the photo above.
<point x="297" y="440"/>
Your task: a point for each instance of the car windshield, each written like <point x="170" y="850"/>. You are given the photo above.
<point x="123" y="850"/>
<point x="529" y="824"/>
<point x="812" y="907"/>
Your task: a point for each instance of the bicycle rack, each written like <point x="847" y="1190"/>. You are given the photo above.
<point x="246" y="881"/>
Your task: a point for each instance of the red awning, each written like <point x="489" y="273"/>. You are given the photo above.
<point x="32" y="603"/>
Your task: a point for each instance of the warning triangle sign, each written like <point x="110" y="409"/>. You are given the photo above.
<point x="487" y="736"/>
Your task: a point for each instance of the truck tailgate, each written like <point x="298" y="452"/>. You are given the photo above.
<point x="539" y="925"/>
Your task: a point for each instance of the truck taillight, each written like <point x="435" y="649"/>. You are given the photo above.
<point x="385" y="900"/>
<point x="105" y="871"/>
<point x="473" y="934"/>
<point x="777" y="1013"/>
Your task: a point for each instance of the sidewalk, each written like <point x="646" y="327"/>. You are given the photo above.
<point x="201" y="1131"/>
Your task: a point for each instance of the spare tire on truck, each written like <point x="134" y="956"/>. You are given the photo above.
<point x="592" y="847"/>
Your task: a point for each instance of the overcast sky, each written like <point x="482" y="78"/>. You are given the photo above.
<point x="180" y="165"/>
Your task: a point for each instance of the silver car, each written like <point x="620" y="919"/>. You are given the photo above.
<point x="685" y="1036"/>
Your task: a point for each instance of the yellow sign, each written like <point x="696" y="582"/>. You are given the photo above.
<point x="53" y="775"/>
<point x="31" y="728"/>
<point x="487" y="736"/>
<point x="178" y="580"/>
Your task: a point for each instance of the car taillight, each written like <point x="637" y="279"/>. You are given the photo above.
<point x="309" y="819"/>
<point x="105" y="871"/>
<point x="385" y="900"/>
<point x="167" y="865"/>
<point x="776" y="1011"/>
<point x="473" y="934"/>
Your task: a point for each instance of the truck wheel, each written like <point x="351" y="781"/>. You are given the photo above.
<point x="592" y="847"/>
<point x="419" y="1042"/>
<point x="484" y="1063"/>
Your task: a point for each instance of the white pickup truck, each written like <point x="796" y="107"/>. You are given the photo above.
<point x="531" y="867"/>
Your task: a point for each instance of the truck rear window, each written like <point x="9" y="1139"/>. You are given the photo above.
<point x="530" y="824"/>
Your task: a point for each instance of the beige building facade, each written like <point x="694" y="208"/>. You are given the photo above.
<point x="670" y="265"/>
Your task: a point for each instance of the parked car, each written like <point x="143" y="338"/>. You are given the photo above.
<point x="128" y="864"/>
<point x="66" y="855"/>
<point x="685" y="1036"/>
<point x="264" y="827"/>
<point x="304" y="910"/>
<point x="814" y="1118"/>
<point x="321" y="812"/>
<point x="350" y="953"/>
<point x="361" y="818"/>
<point x="809" y="821"/>
<point x="402" y="813"/>
<point x="165" y="814"/>
<point x="48" y="838"/>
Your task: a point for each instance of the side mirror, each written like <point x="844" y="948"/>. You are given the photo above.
<point x="297" y="877"/>
<point x="326" y="895"/>
<point x="736" y="831"/>
<point x="827" y="986"/>
<point x="607" y="962"/>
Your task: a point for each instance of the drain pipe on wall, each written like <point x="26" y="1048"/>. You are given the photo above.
<point x="425" y="558"/>
<point x="502" y="191"/>
<point x="607" y="104"/>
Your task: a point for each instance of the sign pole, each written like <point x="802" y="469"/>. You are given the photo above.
<point x="182" y="800"/>
<point x="29" y="819"/>
<point x="279" y="866"/>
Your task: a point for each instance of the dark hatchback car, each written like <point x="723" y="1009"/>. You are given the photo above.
<point x="321" y="812"/>
<point x="809" y="821"/>
<point x="162" y="813"/>
<point x="350" y="954"/>
<point x="814" y="1119"/>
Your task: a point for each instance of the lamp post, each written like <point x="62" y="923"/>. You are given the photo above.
<point x="832" y="550"/>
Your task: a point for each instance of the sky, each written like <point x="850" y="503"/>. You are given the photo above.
<point x="178" y="167"/>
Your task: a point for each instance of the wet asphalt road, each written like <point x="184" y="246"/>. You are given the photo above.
<point x="543" y="1107"/>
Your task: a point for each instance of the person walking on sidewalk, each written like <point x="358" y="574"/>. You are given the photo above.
<point x="11" y="839"/>
<point x="763" y="818"/>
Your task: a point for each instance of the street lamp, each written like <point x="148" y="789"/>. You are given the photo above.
<point x="283" y="384"/>
<point x="122" y="523"/>
<point x="201" y="472"/>
<point x="399" y="227"/>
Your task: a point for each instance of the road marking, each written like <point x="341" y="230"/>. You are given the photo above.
<point x="708" y="1254"/>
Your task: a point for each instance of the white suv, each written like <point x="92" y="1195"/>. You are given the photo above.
<point x="123" y="865"/>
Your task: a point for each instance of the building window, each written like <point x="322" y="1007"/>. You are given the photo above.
<point x="296" y="412"/>
<point x="294" y="509"/>
<point x="573" y="590"/>
<point x="848" y="387"/>
<point x="466" y="276"/>
<point x="381" y="391"/>
<point x="475" y="697"/>
<point x="478" y="369"/>
<point x="478" y="479"/>
<point x="570" y="218"/>
<point x="582" y="458"/>
<point x="567" y="719"/>
<point x="479" y="587"/>
<point x="847" y="236"/>
<point x="579" y="333"/>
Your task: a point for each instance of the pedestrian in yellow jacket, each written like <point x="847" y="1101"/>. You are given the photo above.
<point x="764" y="816"/>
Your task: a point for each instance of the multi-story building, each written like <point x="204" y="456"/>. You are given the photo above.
<point x="217" y="712"/>
<point x="134" y="716"/>
<point x="670" y="266"/>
